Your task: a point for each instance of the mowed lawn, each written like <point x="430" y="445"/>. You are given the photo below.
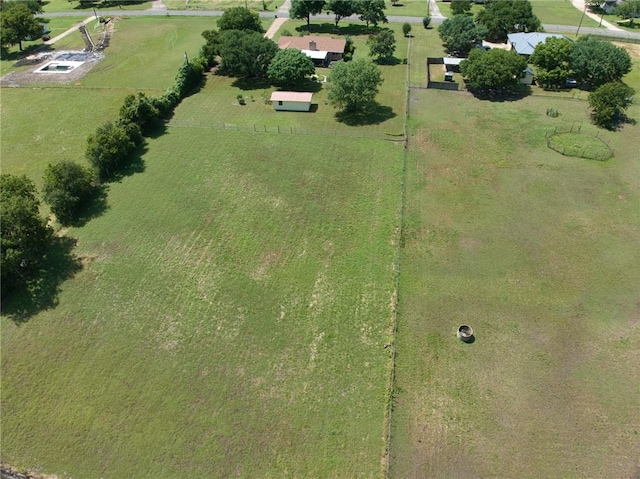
<point x="235" y="297"/>
<point x="538" y="253"/>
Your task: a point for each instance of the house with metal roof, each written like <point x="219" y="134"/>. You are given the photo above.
<point x="322" y="50"/>
<point x="525" y="43"/>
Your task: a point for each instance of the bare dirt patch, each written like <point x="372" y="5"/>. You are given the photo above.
<point x="27" y="77"/>
<point x="632" y="48"/>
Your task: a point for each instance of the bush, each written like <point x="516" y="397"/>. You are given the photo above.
<point x="426" y="21"/>
<point x="109" y="146"/>
<point x="406" y="29"/>
<point x="66" y="188"/>
<point x="140" y="110"/>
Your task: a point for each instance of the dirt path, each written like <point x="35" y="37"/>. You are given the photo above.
<point x="281" y="17"/>
<point x="579" y="4"/>
<point x="70" y="31"/>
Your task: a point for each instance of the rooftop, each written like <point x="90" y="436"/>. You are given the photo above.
<point x="314" y="42"/>
<point x="300" y="96"/>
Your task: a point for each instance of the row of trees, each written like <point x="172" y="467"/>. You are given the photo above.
<point x="369" y="11"/>
<point x="461" y="32"/>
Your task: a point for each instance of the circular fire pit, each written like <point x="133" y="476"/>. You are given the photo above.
<point x="465" y="333"/>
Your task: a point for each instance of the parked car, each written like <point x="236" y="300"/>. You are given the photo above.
<point x="570" y="83"/>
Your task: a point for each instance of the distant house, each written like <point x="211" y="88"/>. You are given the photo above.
<point x="525" y="43"/>
<point x="606" y="6"/>
<point x="322" y="50"/>
<point x="291" y="100"/>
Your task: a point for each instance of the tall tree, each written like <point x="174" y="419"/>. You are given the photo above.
<point x="382" y="45"/>
<point x="354" y="85"/>
<point x="66" y="188"/>
<point x="609" y="102"/>
<point x="629" y="10"/>
<point x="495" y="71"/>
<point x="303" y="9"/>
<point x="370" y="11"/>
<point x="246" y="54"/>
<point x="507" y="16"/>
<point x="17" y="24"/>
<point x="598" y="62"/>
<point x="289" y="67"/>
<point x="553" y="61"/>
<point x="460" y="34"/>
<point x="459" y="7"/>
<point x="340" y="9"/>
<point x="24" y="234"/>
<point x="240" y="18"/>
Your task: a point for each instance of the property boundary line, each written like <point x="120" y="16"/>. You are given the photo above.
<point x="288" y="130"/>
<point x="394" y="324"/>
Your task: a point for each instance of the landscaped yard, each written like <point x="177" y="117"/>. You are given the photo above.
<point x="537" y="252"/>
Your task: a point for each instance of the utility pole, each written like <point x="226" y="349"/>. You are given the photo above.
<point x="583" y="14"/>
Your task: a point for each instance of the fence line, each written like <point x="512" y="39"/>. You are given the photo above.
<point x="583" y="153"/>
<point x="290" y="130"/>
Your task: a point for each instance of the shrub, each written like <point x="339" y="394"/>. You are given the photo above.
<point x="141" y="110"/>
<point x="426" y="21"/>
<point x="406" y="29"/>
<point x="108" y="147"/>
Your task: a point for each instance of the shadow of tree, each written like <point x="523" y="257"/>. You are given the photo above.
<point x="373" y="114"/>
<point x="41" y="292"/>
<point x="350" y="29"/>
<point x="132" y="165"/>
<point x="388" y="61"/>
<point x="501" y="95"/>
<point x="20" y="56"/>
<point x="95" y="206"/>
<point x="248" y="84"/>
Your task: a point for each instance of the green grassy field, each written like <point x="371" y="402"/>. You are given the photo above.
<point x="222" y="4"/>
<point x="560" y="12"/>
<point x="235" y="297"/>
<point x="537" y="252"/>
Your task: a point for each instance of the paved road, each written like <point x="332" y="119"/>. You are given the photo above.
<point x="393" y="19"/>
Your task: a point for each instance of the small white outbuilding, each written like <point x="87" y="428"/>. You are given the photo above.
<point x="291" y="100"/>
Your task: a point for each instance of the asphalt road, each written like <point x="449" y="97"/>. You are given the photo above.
<point x="393" y="19"/>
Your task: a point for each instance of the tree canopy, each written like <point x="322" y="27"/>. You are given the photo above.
<point x="495" y="71"/>
<point x="303" y="9"/>
<point x="608" y="103"/>
<point x="370" y="11"/>
<point x="598" y="62"/>
<point x="341" y="9"/>
<point x="354" y="85"/>
<point x="246" y="54"/>
<point x="507" y="16"/>
<point x="460" y="34"/>
<point x="24" y="234"/>
<point x="66" y="188"/>
<point x="240" y="18"/>
<point x="289" y="67"/>
<point x="18" y="24"/>
<point x="553" y="61"/>
<point x="382" y="45"/>
<point x="460" y="6"/>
